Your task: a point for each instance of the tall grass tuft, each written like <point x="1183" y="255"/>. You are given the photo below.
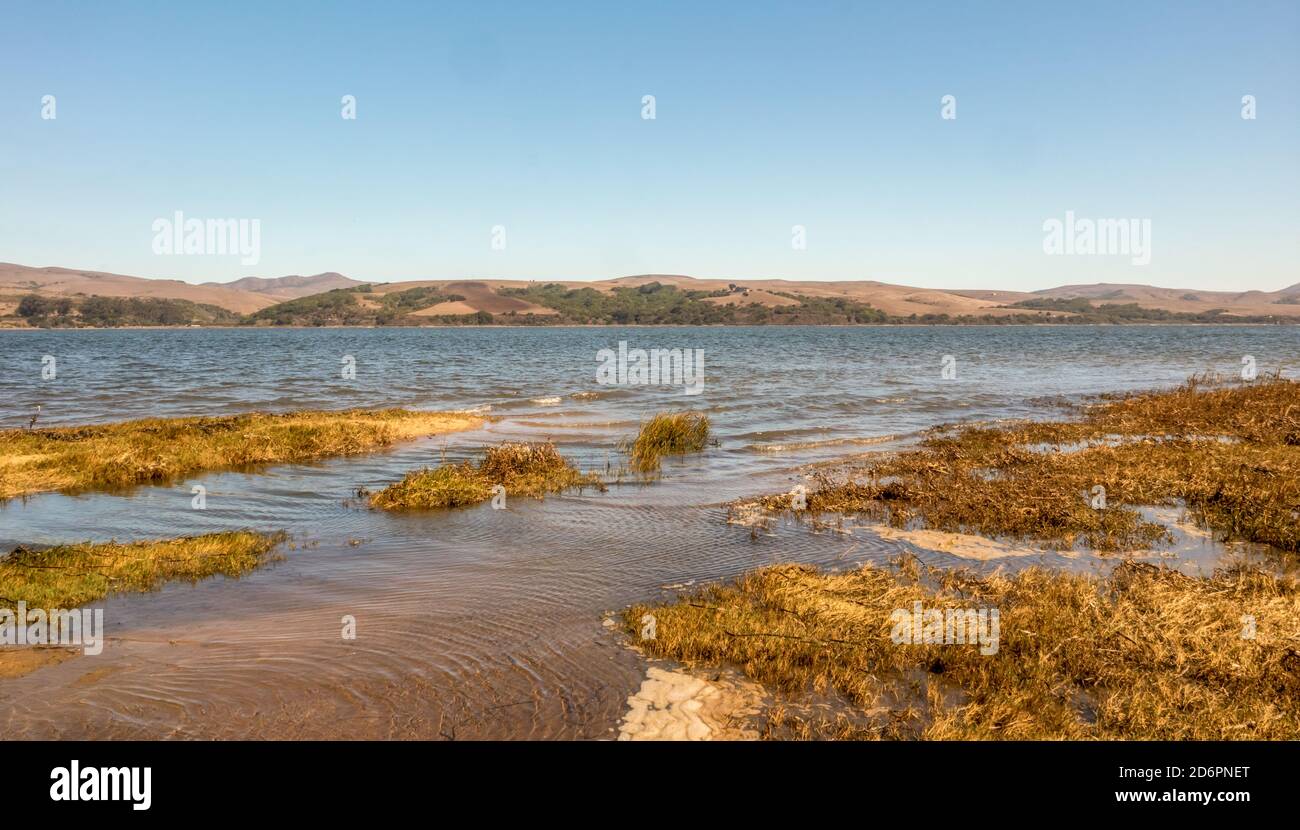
<point x="523" y="469"/>
<point x="668" y="433"/>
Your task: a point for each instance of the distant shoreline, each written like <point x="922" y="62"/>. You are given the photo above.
<point x="60" y="297"/>
<point x="774" y="326"/>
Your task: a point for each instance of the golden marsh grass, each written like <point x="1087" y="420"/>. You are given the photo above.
<point x="523" y="469"/>
<point x="1142" y="653"/>
<point x="66" y="576"/>
<point x="1230" y="454"/>
<point x="158" y="450"/>
<point x="668" y="433"/>
<point x="1145" y="653"/>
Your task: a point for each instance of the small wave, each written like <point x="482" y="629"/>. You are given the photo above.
<point x="829" y="442"/>
<point x="527" y="422"/>
<point x="550" y="401"/>
<point x="605" y="393"/>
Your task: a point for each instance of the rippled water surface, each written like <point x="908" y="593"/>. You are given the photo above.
<point x="479" y="622"/>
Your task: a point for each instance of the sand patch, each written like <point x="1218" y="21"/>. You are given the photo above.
<point x="1189" y="539"/>
<point x="21" y="660"/>
<point x="676" y="706"/>
<point x="436" y="423"/>
<point x="964" y="545"/>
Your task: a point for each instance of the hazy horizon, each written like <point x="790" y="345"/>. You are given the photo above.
<point x="730" y="277"/>
<point x="830" y="119"/>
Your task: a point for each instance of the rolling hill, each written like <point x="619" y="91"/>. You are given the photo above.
<point x="692" y="299"/>
<point x="67" y="282"/>
<point x="291" y="287"/>
<point x="1286" y="301"/>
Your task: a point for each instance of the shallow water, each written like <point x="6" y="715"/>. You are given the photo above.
<point x="479" y="622"/>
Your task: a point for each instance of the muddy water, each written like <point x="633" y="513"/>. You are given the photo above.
<point x="487" y="623"/>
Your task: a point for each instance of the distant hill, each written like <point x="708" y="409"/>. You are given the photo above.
<point x="1244" y="303"/>
<point x="290" y="287"/>
<point x="67" y="282"/>
<point x="341" y="300"/>
<point x="242" y="296"/>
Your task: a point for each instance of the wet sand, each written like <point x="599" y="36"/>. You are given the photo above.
<point x="681" y="706"/>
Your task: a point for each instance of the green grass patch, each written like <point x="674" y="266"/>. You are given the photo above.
<point x="66" y="576"/>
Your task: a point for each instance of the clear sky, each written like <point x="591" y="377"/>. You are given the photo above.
<point x="529" y="116"/>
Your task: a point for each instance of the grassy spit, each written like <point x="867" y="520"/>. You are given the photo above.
<point x="66" y="576"/>
<point x="523" y="469"/>
<point x="162" y="449"/>
<point x="668" y="433"/>
<point x="1146" y="653"/>
<point x="1231" y="454"/>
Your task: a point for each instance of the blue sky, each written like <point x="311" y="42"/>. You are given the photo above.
<point x="825" y="115"/>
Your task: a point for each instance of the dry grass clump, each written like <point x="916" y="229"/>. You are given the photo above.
<point x="523" y="469"/>
<point x="1146" y="653"/>
<point x="162" y="449"/>
<point x="668" y="433"/>
<point x="1232" y="455"/>
<point x="451" y="485"/>
<point x="66" y="576"/>
<point x="1264" y="411"/>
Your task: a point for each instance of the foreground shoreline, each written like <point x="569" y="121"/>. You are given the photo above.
<point x="1192" y="620"/>
<point x="1289" y="321"/>
<point x="1144" y="652"/>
